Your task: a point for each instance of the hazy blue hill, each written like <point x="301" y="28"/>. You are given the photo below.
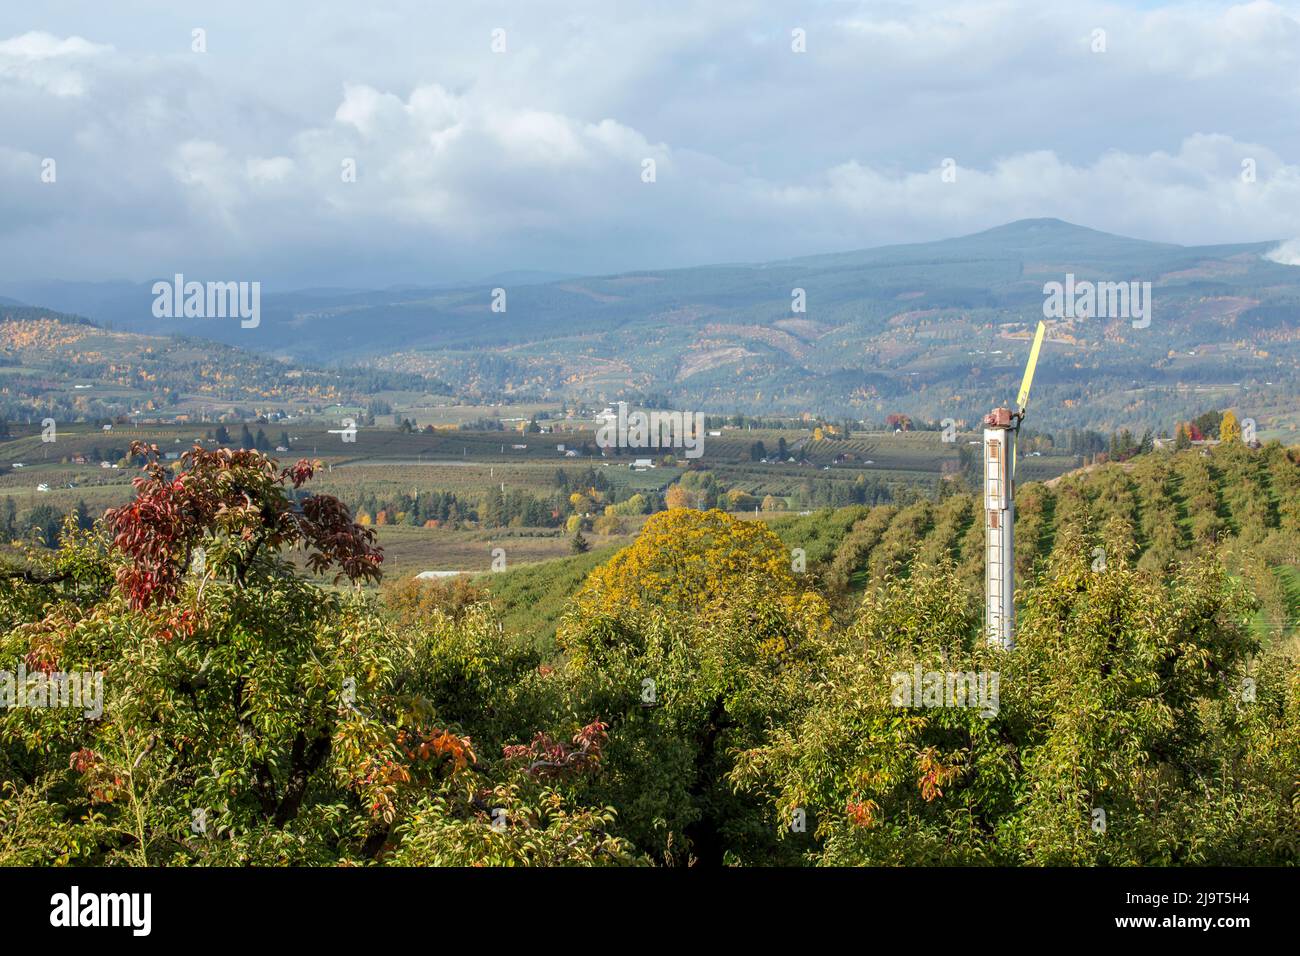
<point x="102" y="301"/>
<point x="986" y="269"/>
<point x="931" y="329"/>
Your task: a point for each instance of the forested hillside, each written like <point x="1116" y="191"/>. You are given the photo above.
<point x="65" y="366"/>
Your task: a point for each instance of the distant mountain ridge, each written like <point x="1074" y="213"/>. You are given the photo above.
<point x="927" y="328"/>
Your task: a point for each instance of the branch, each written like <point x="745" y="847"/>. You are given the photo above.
<point x="303" y="763"/>
<point x="32" y="577"/>
<point x="375" y="842"/>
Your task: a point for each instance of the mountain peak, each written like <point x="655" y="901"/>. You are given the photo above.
<point x="1045" y="227"/>
<point x="1049" y="236"/>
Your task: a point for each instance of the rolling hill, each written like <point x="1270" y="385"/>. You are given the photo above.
<point x="1161" y="508"/>
<point x="933" y="330"/>
<point x="68" y="367"/>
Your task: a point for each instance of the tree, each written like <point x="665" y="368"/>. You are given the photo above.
<point x="257" y="719"/>
<point x="679" y="497"/>
<point x="608" y="524"/>
<point x="1084" y="716"/>
<point x="634" y="505"/>
<point x="44" y="523"/>
<point x="234" y="505"/>
<point x="1206" y="425"/>
<point x="740" y="500"/>
<point x="414" y="601"/>
<point x="691" y="643"/>
<point x="694" y="560"/>
<point x="578" y="544"/>
<point x="9" y="518"/>
<point x="1229" y="428"/>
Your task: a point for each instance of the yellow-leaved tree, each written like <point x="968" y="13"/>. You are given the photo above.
<point x="696" y="561"/>
<point x="1229" y="428"/>
<point x="690" y="644"/>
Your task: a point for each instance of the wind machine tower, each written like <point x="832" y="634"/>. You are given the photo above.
<point x="1001" y="433"/>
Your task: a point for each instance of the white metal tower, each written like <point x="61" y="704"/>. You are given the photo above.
<point x="1001" y="431"/>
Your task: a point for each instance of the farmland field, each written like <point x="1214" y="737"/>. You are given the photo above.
<point x="384" y="462"/>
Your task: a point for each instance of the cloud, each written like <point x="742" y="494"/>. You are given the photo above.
<point x="1286" y="253"/>
<point x="1155" y="195"/>
<point x="469" y="162"/>
<point x="276" y="169"/>
<point x="47" y="62"/>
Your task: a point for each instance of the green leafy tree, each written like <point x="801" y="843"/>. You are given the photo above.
<point x="1109" y="744"/>
<point x="250" y="717"/>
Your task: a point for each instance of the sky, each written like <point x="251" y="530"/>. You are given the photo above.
<point x="492" y="137"/>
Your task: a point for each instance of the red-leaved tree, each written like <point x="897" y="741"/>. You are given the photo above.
<point x="234" y="503"/>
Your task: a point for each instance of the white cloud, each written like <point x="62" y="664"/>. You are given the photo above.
<point x="470" y="162"/>
<point x="364" y="108"/>
<point x="47" y="62"/>
<point x="273" y="170"/>
<point x="1286" y="253"/>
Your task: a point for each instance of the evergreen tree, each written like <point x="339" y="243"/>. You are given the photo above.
<point x="85" y="520"/>
<point x="45" y="522"/>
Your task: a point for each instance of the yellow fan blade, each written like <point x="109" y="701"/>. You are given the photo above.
<point x="1023" y="398"/>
